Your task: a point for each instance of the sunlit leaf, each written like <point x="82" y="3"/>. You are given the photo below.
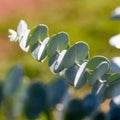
<point x="12" y="35"/>
<point x="100" y="70"/>
<point x="58" y="43"/>
<point x="43" y="49"/>
<point x="59" y="60"/>
<point x="21" y="29"/>
<point x="38" y="50"/>
<point x="75" y="54"/>
<point x="79" y="78"/>
<point x="95" y="61"/>
<point x="23" y="42"/>
<point x="38" y="34"/>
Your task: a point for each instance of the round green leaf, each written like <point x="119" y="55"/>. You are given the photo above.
<point x="58" y="43"/>
<point x="95" y="61"/>
<point x="38" y="34"/>
<point x="38" y="50"/>
<point x="100" y="70"/>
<point x="71" y="73"/>
<point x="75" y="54"/>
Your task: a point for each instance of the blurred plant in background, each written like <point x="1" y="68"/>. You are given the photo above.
<point x="72" y="17"/>
<point x="115" y="41"/>
<point x="73" y="65"/>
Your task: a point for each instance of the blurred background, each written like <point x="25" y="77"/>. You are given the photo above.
<point x="83" y="20"/>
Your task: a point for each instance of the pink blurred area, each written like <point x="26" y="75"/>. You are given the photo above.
<point x="9" y="7"/>
<point x="27" y="7"/>
<point x="11" y="11"/>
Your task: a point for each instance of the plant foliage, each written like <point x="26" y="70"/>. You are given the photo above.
<point x="73" y="65"/>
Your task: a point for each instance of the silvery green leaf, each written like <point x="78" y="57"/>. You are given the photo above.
<point x="55" y="92"/>
<point x="58" y="43"/>
<point x="42" y="50"/>
<point x="52" y="62"/>
<point x="13" y="80"/>
<point x="116" y="13"/>
<point x="75" y="54"/>
<point x="70" y="74"/>
<point x="81" y="52"/>
<point x="100" y="70"/>
<point x="79" y="78"/>
<point x="12" y="35"/>
<point x="55" y="61"/>
<point x="95" y="61"/>
<point x="38" y="50"/>
<point x="59" y="60"/>
<point x="34" y="50"/>
<point x="23" y="41"/>
<point x="38" y="34"/>
<point x="22" y="29"/>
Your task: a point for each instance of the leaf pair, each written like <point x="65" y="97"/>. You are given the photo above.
<point x="98" y="66"/>
<point x="21" y="35"/>
<point x="76" y="54"/>
<point x="75" y="75"/>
